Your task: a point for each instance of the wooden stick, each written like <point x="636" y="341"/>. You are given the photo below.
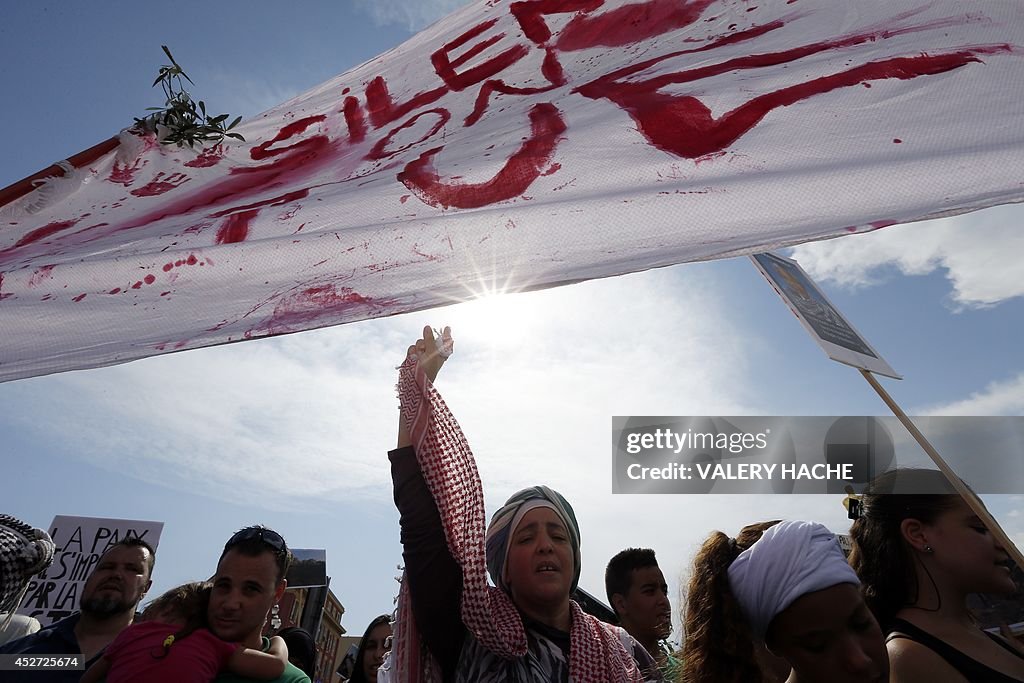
<point x="968" y="495"/>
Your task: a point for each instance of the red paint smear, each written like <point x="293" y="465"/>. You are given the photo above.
<point x="529" y="15"/>
<point x="629" y="24"/>
<point x="43" y="232"/>
<point x="137" y="285"/>
<point x="554" y="168"/>
<point x="354" y="119"/>
<point x="208" y="157"/>
<point x="235" y="227"/>
<point x="897" y="141"/>
<point x="149" y="279"/>
<point x="877" y="225"/>
<point x="377" y="152"/>
<point x="383" y="110"/>
<point x="115" y="290"/>
<point x="301" y="310"/>
<point x="164" y="293"/>
<point x="684" y="126"/>
<point x="484" y="94"/>
<point x="286" y="198"/>
<point x="294" y="159"/>
<point x="518" y="173"/>
<point x="125" y="175"/>
<point x="168" y="266"/>
<point x="159" y="185"/>
<point x="476" y="49"/>
<point x="552" y="68"/>
<point x="404" y="198"/>
<point x="759" y="60"/>
<point x="191" y="260"/>
<point x="78" y="298"/>
<point x="445" y="68"/>
<point x="263" y="151"/>
<point x="44" y="273"/>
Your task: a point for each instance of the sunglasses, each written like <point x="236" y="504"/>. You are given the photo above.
<point x="268" y="536"/>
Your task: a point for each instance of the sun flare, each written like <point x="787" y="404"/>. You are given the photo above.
<point x="494" y="316"/>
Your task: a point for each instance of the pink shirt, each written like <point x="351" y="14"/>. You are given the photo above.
<point x="196" y="658"/>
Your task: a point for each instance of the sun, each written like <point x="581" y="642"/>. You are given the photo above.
<point x="494" y="316"/>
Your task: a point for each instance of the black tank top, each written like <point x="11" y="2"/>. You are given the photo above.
<point x="971" y="669"/>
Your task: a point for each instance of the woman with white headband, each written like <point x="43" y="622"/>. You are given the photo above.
<point x="783" y="589"/>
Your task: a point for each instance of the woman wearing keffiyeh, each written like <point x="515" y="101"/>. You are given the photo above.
<point x="450" y="624"/>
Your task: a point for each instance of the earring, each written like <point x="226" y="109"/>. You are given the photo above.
<point x="928" y="549"/>
<point x="275" y="617"/>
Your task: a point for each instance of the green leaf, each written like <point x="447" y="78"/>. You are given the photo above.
<point x="183" y="120"/>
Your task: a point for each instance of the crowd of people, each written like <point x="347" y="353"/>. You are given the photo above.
<point x="491" y="601"/>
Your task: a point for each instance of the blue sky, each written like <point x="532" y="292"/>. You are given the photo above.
<point x="292" y="431"/>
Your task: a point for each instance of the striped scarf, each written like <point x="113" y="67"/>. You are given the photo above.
<point x="24" y="552"/>
<point x="596" y="655"/>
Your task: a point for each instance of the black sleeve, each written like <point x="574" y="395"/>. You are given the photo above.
<point x="435" y="578"/>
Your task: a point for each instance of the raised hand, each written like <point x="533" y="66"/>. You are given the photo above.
<point x="431" y="357"/>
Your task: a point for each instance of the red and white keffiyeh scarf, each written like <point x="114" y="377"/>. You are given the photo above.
<point x="596" y="653"/>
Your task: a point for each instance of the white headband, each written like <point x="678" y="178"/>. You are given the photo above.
<point x="791" y="559"/>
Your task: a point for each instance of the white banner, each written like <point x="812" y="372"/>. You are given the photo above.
<point x="529" y="144"/>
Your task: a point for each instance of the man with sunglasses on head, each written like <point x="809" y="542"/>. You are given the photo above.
<point x="248" y="583"/>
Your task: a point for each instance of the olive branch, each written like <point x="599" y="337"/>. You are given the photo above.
<point x="182" y="120"/>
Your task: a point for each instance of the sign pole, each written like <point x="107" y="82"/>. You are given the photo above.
<point x="969" y="496"/>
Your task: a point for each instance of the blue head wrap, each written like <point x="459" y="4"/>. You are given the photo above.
<point x="502" y="526"/>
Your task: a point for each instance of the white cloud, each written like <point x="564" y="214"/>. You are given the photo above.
<point x="411" y="14"/>
<point x="979" y="252"/>
<point x="218" y="421"/>
<point x="998" y="398"/>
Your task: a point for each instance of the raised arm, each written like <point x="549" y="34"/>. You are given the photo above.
<point x="434" y="577"/>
